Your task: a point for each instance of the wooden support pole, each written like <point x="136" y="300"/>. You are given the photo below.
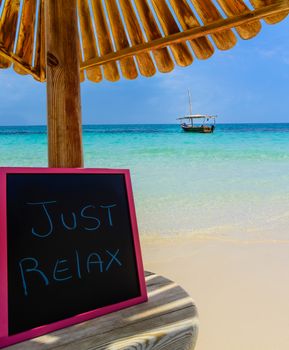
<point x="63" y="84"/>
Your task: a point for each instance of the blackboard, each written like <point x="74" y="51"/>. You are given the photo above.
<point x="69" y="248"/>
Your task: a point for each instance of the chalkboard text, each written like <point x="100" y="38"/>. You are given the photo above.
<point x="62" y="269"/>
<point x="85" y="216"/>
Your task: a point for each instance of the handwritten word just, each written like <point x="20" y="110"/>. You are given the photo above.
<point x="86" y="216"/>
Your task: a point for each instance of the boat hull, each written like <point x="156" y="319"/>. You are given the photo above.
<point x="199" y="129"/>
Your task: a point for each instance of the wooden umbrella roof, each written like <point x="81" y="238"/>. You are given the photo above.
<point x="131" y="37"/>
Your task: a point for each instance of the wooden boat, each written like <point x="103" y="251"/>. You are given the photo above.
<point x="206" y="126"/>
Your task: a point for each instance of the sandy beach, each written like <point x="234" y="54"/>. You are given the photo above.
<point x="240" y="287"/>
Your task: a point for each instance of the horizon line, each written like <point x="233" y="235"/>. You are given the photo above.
<point x="118" y="124"/>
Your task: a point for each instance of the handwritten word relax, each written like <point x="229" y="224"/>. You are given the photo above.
<point x="87" y="212"/>
<point x="62" y="269"/>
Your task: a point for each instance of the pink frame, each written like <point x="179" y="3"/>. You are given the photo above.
<point x="5" y="339"/>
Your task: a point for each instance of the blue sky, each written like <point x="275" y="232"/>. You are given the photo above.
<point x="249" y="83"/>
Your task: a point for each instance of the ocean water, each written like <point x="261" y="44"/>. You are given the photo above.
<point x="233" y="184"/>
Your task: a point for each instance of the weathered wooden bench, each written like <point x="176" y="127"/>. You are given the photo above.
<point x="168" y="321"/>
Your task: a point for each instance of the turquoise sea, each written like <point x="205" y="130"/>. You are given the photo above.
<point x="233" y="184"/>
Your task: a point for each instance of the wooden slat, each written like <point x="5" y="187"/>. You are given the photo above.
<point x="145" y="62"/>
<point x="193" y="33"/>
<point x="202" y="47"/>
<point x="8" y="27"/>
<point x="82" y="76"/>
<point x="162" y="56"/>
<point x="88" y="39"/>
<point x="237" y="7"/>
<point x="10" y="57"/>
<point x="81" y="72"/>
<point x="224" y="40"/>
<point x="25" y="41"/>
<point x="180" y="51"/>
<point x="39" y="61"/>
<point x="168" y="321"/>
<point x="104" y="40"/>
<point x="272" y="19"/>
<point x="127" y="65"/>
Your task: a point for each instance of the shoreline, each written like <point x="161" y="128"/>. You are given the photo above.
<point x="240" y="288"/>
<point x="148" y="239"/>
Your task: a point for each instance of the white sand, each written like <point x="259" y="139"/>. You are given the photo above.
<point x="241" y="288"/>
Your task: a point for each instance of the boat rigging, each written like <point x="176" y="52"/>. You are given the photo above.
<point x="207" y="124"/>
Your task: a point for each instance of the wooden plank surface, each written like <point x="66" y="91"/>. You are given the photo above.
<point x="168" y="321"/>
